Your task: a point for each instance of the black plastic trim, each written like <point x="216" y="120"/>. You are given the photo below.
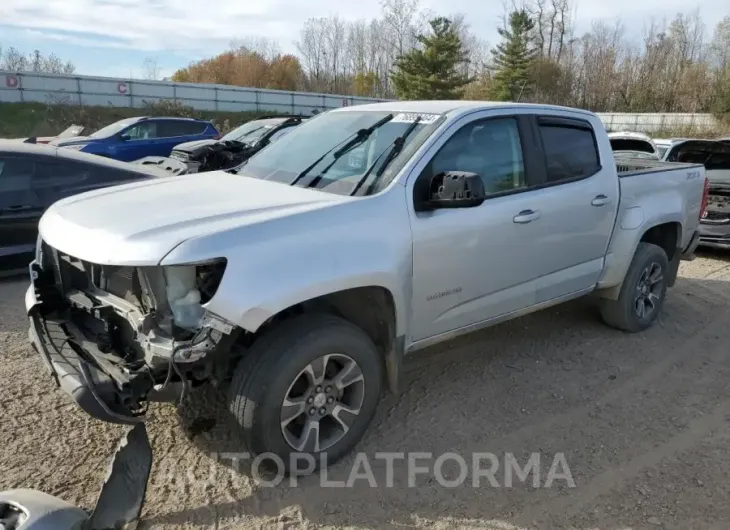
<point x="83" y="382"/>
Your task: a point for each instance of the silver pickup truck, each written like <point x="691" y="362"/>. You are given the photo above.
<point x="367" y="233"/>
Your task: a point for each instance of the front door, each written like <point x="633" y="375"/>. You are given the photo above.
<point x="474" y="264"/>
<point x="138" y="141"/>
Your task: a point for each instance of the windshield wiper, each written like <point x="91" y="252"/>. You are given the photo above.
<point x="358" y="138"/>
<point x="393" y="151"/>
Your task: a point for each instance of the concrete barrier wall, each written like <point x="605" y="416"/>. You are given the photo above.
<point x="107" y="91"/>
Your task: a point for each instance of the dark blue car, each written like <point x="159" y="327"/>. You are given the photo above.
<point x="135" y="138"/>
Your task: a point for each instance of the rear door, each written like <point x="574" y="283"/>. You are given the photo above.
<point x="20" y="211"/>
<point x="578" y="201"/>
<point x="174" y="132"/>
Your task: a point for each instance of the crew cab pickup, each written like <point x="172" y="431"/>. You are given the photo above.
<point x="362" y="236"/>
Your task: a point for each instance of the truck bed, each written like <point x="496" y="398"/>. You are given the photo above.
<point x="663" y="192"/>
<point x="628" y="167"/>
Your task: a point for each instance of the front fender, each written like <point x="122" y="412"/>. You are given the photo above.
<point x="274" y="266"/>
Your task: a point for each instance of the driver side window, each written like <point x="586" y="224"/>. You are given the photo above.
<point x="491" y="149"/>
<point x="142" y="131"/>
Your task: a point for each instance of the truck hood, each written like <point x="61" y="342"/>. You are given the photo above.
<point x="138" y="224"/>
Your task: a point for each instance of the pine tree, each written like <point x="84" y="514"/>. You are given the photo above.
<point x="514" y="57"/>
<point x="432" y="71"/>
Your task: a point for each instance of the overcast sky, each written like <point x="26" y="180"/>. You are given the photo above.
<point x="113" y="37"/>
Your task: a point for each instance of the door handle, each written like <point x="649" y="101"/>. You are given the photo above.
<point x="600" y="200"/>
<point x="526" y="216"/>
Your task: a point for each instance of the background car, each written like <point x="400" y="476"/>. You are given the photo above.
<point x="135" y="138"/>
<point x="32" y="177"/>
<point x="715" y="156"/>
<point x="633" y="141"/>
<point x="236" y="146"/>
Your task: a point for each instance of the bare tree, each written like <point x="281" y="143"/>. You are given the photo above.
<point x="151" y="69"/>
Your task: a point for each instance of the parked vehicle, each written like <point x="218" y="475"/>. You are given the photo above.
<point x="135" y="138"/>
<point x="236" y="146"/>
<point x="309" y="274"/>
<point x="70" y="132"/>
<point x="663" y="145"/>
<point x="715" y="156"/>
<point x="633" y="142"/>
<point x="32" y="177"/>
<point x="228" y="152"/>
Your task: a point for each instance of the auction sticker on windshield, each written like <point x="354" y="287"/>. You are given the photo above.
<point x="410" y="117"/>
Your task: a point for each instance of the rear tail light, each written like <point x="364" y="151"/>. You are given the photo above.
<point x="705" y="198"/>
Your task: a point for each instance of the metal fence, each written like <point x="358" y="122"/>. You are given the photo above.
<point x="655" y="122"/>
<point x="105" y="91"/>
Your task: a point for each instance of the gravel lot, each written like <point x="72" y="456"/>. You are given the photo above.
<point x="641" y="419"/>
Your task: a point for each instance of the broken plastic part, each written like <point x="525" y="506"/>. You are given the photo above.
<point x="183" y="296"/>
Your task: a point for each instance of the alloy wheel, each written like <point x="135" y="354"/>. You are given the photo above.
<point x="322" y="403"/>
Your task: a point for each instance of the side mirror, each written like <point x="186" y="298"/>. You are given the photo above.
<point x="455" y="189"/>
<point x="124" y="137"/>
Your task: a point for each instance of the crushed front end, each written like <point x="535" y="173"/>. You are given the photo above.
<point x="115" y="338"/>
<point x="221" y="155"/>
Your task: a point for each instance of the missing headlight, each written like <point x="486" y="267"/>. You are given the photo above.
<point x="208" y="279"/>
<point x="188" y="287"/>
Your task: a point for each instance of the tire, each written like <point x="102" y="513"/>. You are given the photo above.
<point x="276" y="367"/>
<point x="623" y="313"/>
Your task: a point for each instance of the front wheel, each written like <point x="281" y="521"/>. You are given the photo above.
<point x="308" y="388"/>
<point x="643" y="291"/>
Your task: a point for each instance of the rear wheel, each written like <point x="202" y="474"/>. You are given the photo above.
<point x="309" y="387"/>
<point x="643" y="291"/>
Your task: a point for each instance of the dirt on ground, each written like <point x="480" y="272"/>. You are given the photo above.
<point x="642" y="422"/>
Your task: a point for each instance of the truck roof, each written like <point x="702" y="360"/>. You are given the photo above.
<point x="451" y="107"/>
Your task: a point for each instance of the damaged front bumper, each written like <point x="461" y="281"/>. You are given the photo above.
<point x="115" y="382"/>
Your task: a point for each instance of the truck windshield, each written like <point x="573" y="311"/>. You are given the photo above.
<point x="337" y="151"/>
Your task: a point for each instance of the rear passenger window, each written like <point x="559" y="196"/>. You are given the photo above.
<point x="15" y="174"/>
<point x="570" y="152"/>
<point x="172" y="128"/>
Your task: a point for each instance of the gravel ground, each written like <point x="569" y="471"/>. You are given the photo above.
<point x="642" y="421"/>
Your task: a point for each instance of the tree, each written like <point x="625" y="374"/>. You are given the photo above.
<point x="151" y="69"/>
<point x="363" y="84"/>
<point x="514" y="57"/>
<point x="14" y="61"/>
<point x="433" y="71"/>
<point x="245" y="67"/>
